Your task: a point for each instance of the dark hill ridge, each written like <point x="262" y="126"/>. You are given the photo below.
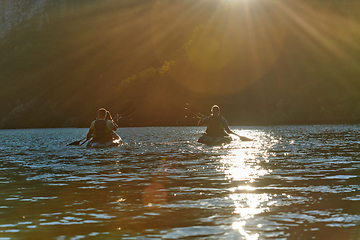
<point x="263" y="62"/>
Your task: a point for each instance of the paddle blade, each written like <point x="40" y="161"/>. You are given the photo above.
<point x="76" y="143"/>
<point x="245" y="139"/>
<point x="199" y="115"/>
<point x="193" y="111"/>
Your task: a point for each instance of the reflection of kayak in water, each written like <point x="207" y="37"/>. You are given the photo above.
<point x="214" y="140"/>
<point x="113" y="143"/>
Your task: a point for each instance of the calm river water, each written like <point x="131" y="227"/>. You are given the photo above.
<point x="291" y="182"/>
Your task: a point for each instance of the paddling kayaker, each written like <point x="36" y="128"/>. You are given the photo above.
<point x="101" y="129"/>
<point x="217" y="125"/>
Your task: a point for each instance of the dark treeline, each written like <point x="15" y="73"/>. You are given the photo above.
<point x="263" y="62"/>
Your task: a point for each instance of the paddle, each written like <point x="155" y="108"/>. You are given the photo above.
<point x="196" y="114"/>
<point x="127" y="106"/>
<point x="199" y="115"/>
<point x="77" y="143"/>
<point x="128" y="113"/>
<point x="84" y="142"/>
<point x="242" y="138"/>
<point x="126" y="110"/>
<point x="125" y="114"/>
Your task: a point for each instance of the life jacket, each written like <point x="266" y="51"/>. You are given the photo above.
<point x="214" y="127"/>
<point x="101" y="131"/>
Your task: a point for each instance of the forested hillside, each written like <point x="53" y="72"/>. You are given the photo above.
<point x="263" y="62"/>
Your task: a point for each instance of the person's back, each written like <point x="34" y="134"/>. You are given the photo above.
<point x="215" y="126"/>
<point x="102" y="133"/>
<point x="101" y="129"/>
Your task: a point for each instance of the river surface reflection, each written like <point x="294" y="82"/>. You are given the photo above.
<point x="291" y="182"/>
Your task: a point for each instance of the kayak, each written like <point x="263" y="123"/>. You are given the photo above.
<point x="113" y="143"/>
<point x="214" y="140"/>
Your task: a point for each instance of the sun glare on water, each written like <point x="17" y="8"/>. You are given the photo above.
<point x="243" y="166"/>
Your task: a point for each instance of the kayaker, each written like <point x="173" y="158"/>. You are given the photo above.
<point x="108" y="117"/>
<point x="217" y="125"/>
<point x="101" y="129"/>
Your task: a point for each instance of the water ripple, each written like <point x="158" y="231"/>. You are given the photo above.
<point x="291" y="182"/>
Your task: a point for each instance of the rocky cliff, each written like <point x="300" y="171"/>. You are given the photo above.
<point x="15" y="12"/>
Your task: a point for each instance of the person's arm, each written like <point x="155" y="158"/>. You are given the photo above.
<point x="115" y="125"/>
<point x="202" y="121"/>
<point x="228" y="130"/>
<point x="91" y="130"/>
<point x="242" y="138"/>
<point x="89" y="134"/>
<point x="111" y="125"/>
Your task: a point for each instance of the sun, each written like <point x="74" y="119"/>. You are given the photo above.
<point x="238" y="1"/>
